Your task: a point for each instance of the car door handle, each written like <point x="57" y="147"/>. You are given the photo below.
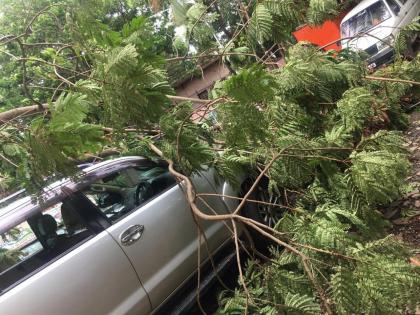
<point x="131" y="235"/>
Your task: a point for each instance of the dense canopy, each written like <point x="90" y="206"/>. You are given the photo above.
<point x="79" y="78"/>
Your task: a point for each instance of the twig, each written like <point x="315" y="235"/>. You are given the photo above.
<point x="210" y="55"/>
<point x="254" y="185"/>
<point x="249" y="200"/>
<point x="210" y="255"/>
<point x="238" y="261"/>
<point x="391" y="80"/>
<point x="24" y="75"/>
<point x="28" y="27"/>
<point x="7" y="160"/>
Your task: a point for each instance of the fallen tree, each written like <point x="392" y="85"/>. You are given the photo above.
<point x="315" y="132"/>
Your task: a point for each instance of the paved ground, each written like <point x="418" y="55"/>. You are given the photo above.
<point x="406" y="216"/>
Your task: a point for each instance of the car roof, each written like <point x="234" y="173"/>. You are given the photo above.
<point x="12" y="213"/>
<point x="361" y="6"/>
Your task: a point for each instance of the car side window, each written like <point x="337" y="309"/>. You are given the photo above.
<point x="119" y="193"/>
<point x="34" y="243"/>
<point x="394" y="6"/>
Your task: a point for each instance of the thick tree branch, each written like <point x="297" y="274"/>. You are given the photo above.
<point x="16" y="112"/>
<point x="33" y="109"/>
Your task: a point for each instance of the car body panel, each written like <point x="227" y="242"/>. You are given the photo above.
<point x="95" y="278"/>
<point x="166" y="254"/>
<point x="102" y="276"/>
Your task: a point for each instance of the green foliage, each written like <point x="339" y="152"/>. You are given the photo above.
<point x="345" y="170"/>
<point x="406" y="35"/>
<point x="135" y="87"/>
<point x="355" y="108"/>
<point x="344" y="291"/>
<point x="55" y="141"/>
<point x="321" y="10"/>
<point x="251" y="85"/>
<point x="374" y="279"/>
<point x="300" y="304"/>
<point x="309" y="73"/>
<point x="185" y="141"/>
<point x="383" y="140"/>
<point x="260" y="26"/>
<point x="288" y="9"/>
<point x="330" y="129"/>
<point x="378" y="174"/>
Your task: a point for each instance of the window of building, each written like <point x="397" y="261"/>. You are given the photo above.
<point x="203" y="95"/>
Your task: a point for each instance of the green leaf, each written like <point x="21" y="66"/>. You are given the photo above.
<point x="259" y="28"/>
<point x="11" y="149"/>
<point x="301" y="304"/>
<point x="122" y="59"/>
<point x="345" y="292"/>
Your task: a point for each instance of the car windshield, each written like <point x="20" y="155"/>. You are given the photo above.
<point x="365" y="19"/>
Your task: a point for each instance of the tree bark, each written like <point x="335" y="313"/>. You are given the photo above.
<point x="34" y="109"/>
<point x="21" y="111"/>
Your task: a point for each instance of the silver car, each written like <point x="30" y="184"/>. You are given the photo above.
<point x="119" y="239"/>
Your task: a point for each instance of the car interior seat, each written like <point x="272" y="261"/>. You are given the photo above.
<point x="47" y="227"/>
<point x="71" y="219"/>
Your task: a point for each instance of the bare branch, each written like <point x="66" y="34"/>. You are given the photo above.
<point x="391" y="80"/>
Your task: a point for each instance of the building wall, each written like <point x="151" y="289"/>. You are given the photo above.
<point x="211" y="74"/>
<point x="322" y="35"/>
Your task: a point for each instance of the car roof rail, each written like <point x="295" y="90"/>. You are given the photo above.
<point x="12" y="198"/>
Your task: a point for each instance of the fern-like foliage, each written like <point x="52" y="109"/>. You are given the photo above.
<point x="355" y="108"/>
<point x="129" y="80"/>
<point x="345" y="292"/>
<point x="288" y="10"/>
<point x="378" y="174"/>
<point x="383" y="140"/>
<point x="54" y="142"/>
<point x="315" y="75"/>
<point x="321" y="10"/>
<point x="326" y="118"/>
<point x="185" y="142"/>
<point x="251" y="85"/>
<point x="259" y="28"/>
<point x="406" y="35"/>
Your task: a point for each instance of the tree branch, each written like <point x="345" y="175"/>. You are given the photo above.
<point x="33" y="109"/>
<point x="369" y="77"/>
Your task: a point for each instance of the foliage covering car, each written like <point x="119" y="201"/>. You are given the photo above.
<point x="118" y="239"/>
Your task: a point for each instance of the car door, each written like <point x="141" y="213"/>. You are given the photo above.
<point x="56" y="262"/>
<point x="409" y="10"/>
<point x="157" y="232"/>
